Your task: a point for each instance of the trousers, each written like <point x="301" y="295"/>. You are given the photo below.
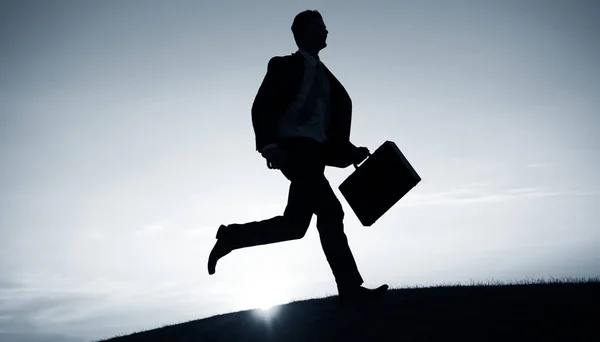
<point x="309" y="193"/>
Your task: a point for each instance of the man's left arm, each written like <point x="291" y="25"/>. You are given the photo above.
<point x="262" y="107"/>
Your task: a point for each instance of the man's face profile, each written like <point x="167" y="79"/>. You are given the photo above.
<point x="315" y="34"/>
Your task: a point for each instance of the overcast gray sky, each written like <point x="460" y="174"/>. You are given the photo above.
<point x="126" y="140"/>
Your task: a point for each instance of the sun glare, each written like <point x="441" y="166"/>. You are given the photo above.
<point x="264" y="296"/>
<point x="264" y="285"/>
<point x="267" y="298"/>
<point x="267" y="304"/>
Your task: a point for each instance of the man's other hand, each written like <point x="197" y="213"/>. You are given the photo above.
<point x="360" y="154"/>
<point x="274" y="156"/>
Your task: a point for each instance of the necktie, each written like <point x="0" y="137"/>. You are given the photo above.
<point x="310" y="104"/>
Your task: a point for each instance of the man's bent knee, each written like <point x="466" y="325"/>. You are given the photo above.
<point x="296" y="228"/>
<point x="332" y="219"/>
<point x="332" y="213"/>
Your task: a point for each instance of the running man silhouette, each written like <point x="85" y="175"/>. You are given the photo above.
<point x="301" y="117"/>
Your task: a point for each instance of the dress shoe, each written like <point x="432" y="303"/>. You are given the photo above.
<point x="221" y="249"/>
<point x="361" y="294"/>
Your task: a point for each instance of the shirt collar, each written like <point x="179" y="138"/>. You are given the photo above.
<point x="313" y="61"/>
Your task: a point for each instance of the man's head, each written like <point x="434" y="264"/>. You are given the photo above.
<point x="309" y="31"/>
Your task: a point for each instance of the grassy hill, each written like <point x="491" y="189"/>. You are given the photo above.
<point x="526" y="311"/>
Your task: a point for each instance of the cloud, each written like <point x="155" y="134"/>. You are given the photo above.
<point x="169" y="230"/>
<point x="582" y="193"/>
<point x="476" y="195"/>
<point x="153" y="228"/>
<point x="32" y="314"/>
<point x="93" y="234"/>
<point x="523" y="191"/>
<point x="42" y="304"/>
<point x="37" y="337"/>
<point x="199" y="232"/>
<point x="8" y="284"/>
<point x="538" y="165"/>
<point x="185" y="230"/>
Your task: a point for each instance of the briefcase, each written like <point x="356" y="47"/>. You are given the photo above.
<point x="378" y="183"/>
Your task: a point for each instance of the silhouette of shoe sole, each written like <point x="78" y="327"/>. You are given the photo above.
<point x="363" y="295"/>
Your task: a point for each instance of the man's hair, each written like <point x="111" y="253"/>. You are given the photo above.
<point x="302" y="20"/>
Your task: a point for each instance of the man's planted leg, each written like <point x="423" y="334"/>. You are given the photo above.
<point x="330" y="217"/>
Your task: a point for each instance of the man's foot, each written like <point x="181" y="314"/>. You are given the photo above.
<point x="220" y="250"/>
<point x="361" y="294"/>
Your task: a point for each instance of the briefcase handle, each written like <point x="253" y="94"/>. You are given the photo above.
<point x="356" y="164"/>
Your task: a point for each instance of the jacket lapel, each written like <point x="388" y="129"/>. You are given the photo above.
<point x="338" y="147"/>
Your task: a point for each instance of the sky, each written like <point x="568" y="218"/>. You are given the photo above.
<point x="126" y="140"/>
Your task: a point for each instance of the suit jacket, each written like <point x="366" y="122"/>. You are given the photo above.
<point x="279" y="87"/>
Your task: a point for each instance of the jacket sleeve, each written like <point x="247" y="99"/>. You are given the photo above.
<point x="263" y="116"/>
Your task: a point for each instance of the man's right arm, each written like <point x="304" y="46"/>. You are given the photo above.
<point x="263" y="116"/>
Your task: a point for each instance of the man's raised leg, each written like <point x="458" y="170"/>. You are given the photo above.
<point x="292" y="225"/>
